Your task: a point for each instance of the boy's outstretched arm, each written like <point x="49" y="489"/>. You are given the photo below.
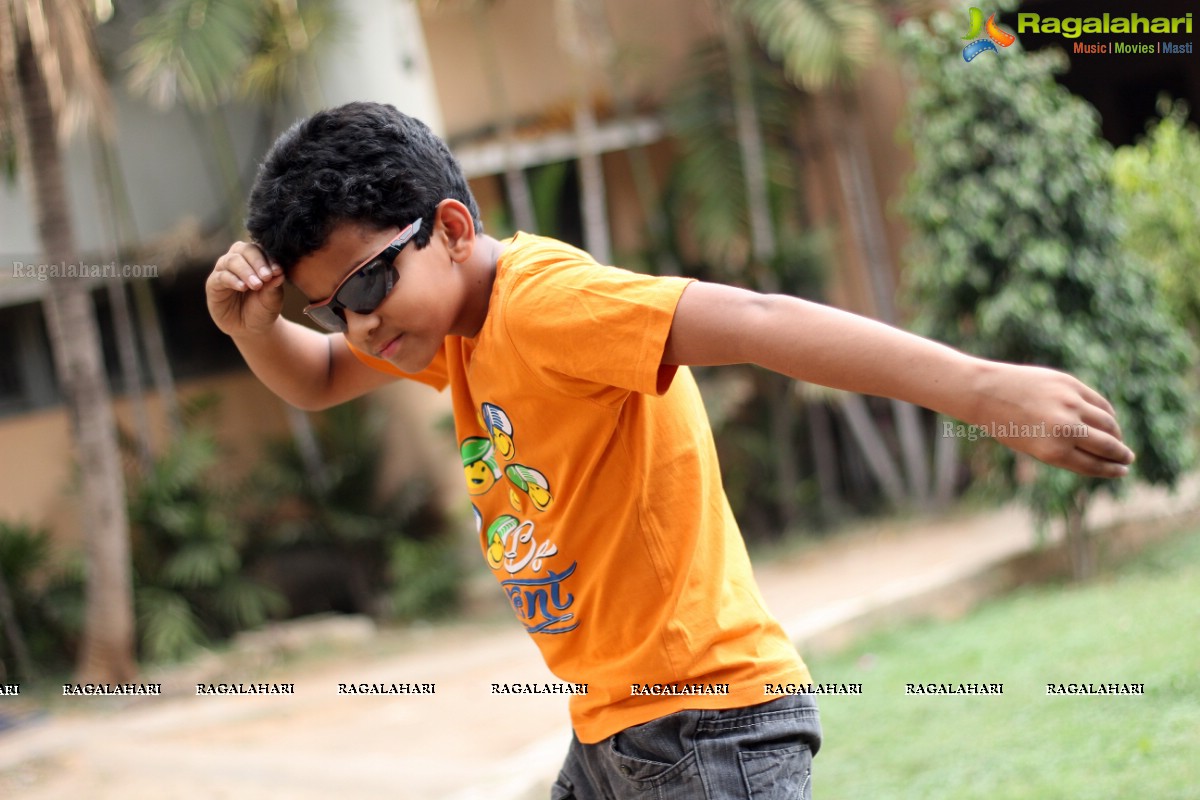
<point x="716" y="324"/>
<point x="308" y="369"/>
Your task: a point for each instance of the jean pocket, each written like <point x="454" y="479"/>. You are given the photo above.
<point x="784" y="774"/>
<point x="656" y="754"/>
<point x="562" y="790"/>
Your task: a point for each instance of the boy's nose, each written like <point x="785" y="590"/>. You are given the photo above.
<point x="359" y="326"/>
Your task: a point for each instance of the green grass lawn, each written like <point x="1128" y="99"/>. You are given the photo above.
<point x="1138" y="625"/>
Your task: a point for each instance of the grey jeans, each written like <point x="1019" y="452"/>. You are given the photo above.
<point x="761" y="752"/>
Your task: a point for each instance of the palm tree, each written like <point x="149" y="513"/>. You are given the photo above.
<point x="50" y="81"/>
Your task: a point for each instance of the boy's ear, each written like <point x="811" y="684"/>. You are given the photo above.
<point x="454" y="221"/>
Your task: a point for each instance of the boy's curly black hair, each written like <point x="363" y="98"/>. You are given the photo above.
<point x="360" y="162"/>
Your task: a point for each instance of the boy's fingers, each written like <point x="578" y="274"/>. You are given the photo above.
<point x="228" y="279"/>
<point x="1105" y="446"/>
<point x="248" y="263"/>
<point x="1098" y="419"/>
<point x="1087" y="464"/>
<point x="1097" y="399"/>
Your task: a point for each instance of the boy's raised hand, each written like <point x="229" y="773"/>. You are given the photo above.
<point x="1053" y="417"/>
<point x="244" y="291"/>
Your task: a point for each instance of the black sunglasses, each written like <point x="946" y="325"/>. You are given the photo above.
<point x="364" y="288"/>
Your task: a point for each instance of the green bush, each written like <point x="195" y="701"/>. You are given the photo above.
<point x="1015" y="253"/>
<point x="1158" y="197"/>
<point x="46" y="599"/>
<point x="188" y="554"/>
<point x="330" y="541"/>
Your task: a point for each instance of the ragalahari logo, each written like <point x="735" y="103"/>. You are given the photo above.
<point x="995" y="36"/>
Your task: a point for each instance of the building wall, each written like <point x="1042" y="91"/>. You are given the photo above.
<point x="530" y="65"/>
<point x="36" y="472"/>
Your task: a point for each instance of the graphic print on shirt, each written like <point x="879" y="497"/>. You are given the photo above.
<point x="511" y="546"/>
<point x="479" y="464"/>
<point x="532" y="483"/>
<point x="500" y="430"/>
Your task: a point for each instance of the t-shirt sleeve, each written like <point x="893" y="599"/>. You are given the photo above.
<point x="435" y="375"/>
<point x="575" y="323"/>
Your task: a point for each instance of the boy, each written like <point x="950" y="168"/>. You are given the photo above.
<point x="585" y="447"/>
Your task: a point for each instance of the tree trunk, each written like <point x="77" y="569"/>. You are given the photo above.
<point x="131" y="373"/>
<point x="118" y="301"/>
<point x="871" y="443"/>
<point x="825" y="457"/>
<point x="593" y="195"/>
<point x="781" y="401"/>
<point x="754" y="162"/>
<point x="866" y="225"/>
<point x="945" y="469"/>
<point x="12" y="632"/>
<point x="145" y="311"/>
<point x="1080" y="543"/>
<point x="156" y="357"/>
<point x="308" y="447"/>
<point x="639" y="162"/>
<point x="107" y="653"/>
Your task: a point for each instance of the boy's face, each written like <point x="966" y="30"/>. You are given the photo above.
<point x="424" y="305"/>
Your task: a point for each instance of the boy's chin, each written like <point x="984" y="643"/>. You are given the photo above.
<point x="411" y="358"/>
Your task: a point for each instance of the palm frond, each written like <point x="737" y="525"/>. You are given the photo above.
<point x="191" y="50"/>
<point x="200" y="564"/>
<point x="821" y="43"/>
<point x="709" y="175"/>
<point x="291" y="33"/>
<point x="243" y="603"/>
<point x="169" y="628"/>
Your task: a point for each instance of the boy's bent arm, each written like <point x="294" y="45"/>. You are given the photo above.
<point x="306" y="368"/>
<point x="716" y="324"/>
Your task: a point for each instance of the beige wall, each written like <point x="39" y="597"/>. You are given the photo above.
<point x="535" y="76"/>
<point x="36" y="470"/>
<point x="36" y="484"/>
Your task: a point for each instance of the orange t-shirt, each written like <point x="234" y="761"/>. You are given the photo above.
<point x="597" y="495"/>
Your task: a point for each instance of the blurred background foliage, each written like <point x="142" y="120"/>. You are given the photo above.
<point x="1157" y="184"/>
<point x="331" y="541"/>
<point x="1016" y="254"/>
<point x="189" y="552"/>
<point x="41" y="604"/>
<point x="1032" y="241"/>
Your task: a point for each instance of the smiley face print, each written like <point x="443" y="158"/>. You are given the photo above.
<point x="532" y="483"/>
<point x="479" y="464"/>
<point x="500" y="429"/>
